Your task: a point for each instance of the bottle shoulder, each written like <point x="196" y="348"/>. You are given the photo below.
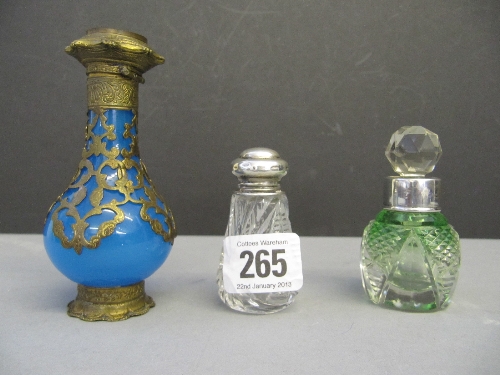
<point x="411" y="219"/>
<point x="258" y="213"/>
<point x="259" y="194"/>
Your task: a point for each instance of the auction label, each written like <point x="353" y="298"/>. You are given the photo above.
<point x="262" y="263"/>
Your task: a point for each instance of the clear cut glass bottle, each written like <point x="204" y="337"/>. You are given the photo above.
<point x="258" y="207"/>
<point x="410" y="254"/>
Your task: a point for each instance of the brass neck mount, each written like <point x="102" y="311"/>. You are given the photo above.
<point x="115" y="62"/>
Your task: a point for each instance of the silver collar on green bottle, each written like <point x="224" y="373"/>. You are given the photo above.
<point x="259" y="170"/>
<point x="413" y="151"/>
<point x="412" y="194"/>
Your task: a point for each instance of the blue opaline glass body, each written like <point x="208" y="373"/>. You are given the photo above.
<point x="109" y="228"/>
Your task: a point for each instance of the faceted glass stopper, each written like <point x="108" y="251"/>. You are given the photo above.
<point x="413" y="151"/>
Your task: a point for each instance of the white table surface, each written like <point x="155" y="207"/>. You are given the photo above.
<point x="331" y="328"/>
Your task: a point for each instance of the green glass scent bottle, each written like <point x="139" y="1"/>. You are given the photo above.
<point x="410" y="255"/>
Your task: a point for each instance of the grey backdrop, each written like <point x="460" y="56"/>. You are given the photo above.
<point x="325" y="83"/>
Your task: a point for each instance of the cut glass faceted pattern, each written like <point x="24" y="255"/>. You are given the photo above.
<point x="410" y="260"/>
<point x="413" y="151"/>
<point x="256" y="214"/>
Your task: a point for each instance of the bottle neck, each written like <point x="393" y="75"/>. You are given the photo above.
<point x="111" y="133"/>
<point x="110" y="88"/>
<point x="259" y="187"/>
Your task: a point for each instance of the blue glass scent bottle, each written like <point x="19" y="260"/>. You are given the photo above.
<point x="110" y="229"/>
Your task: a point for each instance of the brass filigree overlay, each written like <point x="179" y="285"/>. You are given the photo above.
<point x="121" y="163"/>
<point x="110" y="304"/>
<point x="110" y="174"/>
<point x="111" y="203"/>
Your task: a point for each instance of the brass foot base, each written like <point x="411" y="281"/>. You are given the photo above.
<point x="110" y="304"/>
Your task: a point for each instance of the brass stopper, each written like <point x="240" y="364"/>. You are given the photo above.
<point x="114" y="48"/>
<point x="115" y="61"/>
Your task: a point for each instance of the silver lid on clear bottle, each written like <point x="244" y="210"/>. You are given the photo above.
<point x="413" y="151"/>
<point x="260" y="169"/>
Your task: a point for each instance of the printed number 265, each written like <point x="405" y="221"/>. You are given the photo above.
<point x="262" y="265"/>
